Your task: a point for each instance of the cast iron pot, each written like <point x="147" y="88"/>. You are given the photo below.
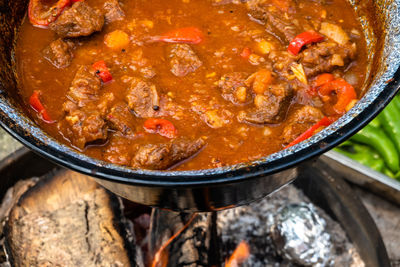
<point x="212" y="189"/>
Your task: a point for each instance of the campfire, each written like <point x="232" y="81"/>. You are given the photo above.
<point x="66" y="219"/>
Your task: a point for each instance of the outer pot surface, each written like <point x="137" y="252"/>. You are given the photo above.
<point x="214" y="188"/>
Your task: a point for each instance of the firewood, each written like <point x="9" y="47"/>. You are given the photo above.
<point x="194" y="237"/>
<point x="67" y="219"/>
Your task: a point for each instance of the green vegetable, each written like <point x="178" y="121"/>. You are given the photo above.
<point x="377" y="139"/>
<point x="363" y="154"/>
<point x="396" y="101"/>
<point x="388" y="173"/>
<point x="391" y="124"/>
<point x="376" y="122"/>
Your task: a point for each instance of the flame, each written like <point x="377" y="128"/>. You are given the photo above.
<point x="241" y="253"/>
<point x="161" y="256"/>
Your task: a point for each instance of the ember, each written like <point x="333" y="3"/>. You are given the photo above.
<point x="240" y="254"/>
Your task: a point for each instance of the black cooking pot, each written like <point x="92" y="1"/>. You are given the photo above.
<point x="219" y="188"/>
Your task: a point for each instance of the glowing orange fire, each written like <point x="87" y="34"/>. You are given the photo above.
<point x="161" y="257"/>
<point x="241" y="253"/>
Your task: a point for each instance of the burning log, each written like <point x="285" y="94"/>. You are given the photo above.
<point x="180" y="239"/>
<point x="68" y="220"/>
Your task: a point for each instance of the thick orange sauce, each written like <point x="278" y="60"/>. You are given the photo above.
<point x="227" y="30"/>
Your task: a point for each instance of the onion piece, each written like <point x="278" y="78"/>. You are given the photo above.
<point x="334" y="32"/>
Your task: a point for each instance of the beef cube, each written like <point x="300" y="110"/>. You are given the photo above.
<point x="121" y="120"/>
<point x="282" y="61"/>
<point x="84" y="87"/>
<point x="118" y="151"/>
<point x="59" y="53"/>
<point x="79" y="20"/>
<point x="231" y="84"/>
<point x="85" y="110"/>
<point x="183" y="60"/>
<point x="301" y="120"/>
<point x="143" y="99"/>
<point x="113" y="11"/>
<point x="326" y="57"/>
<point x="164" y="156"/>
<point x="270" y="107"/>
<point x="83" y="126"/>
<point x="277" y="24"/>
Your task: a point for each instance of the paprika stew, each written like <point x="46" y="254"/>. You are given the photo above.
<point x="188" y="84"/>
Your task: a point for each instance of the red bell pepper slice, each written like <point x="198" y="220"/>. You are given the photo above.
<point x="42" y="17"/>
<point x="160" y="126"/>
<point x="102" y="71"/>
<point x="188" y="35"/>
<point x="345" y="93"/>
<point x="324" y="122"/>
<point x="37" y="105"/>
<point x="303" y="39"/>
<point x="318" y="82"/>
<point x="323" y="79"/>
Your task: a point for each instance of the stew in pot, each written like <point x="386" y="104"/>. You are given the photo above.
<point x="188" y="84"/>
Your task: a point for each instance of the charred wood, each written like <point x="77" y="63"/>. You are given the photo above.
<point x="189" y="248"/>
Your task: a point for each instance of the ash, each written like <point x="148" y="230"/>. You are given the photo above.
<point x="250" y="223"/>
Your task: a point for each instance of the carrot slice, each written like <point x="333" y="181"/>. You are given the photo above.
<point x="117" y="39"/>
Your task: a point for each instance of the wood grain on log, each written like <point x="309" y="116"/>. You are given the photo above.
<point x="68" y="220"/>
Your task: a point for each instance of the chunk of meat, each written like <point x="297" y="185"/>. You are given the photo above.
<point x="234" y="89"/>
<point x="59" y="53"/>
<point x="183" y="60"/>
<point x="113" y="11"/>
<point x="84" y="87"/>
<point x="79" y="20"/>
<point x="277" y="24"/>
<point x="326" y="56"/>
<point x="143" y="99"/>
<point x="318" y="58"/>
<point x="282" y="60"/>
<point x="118" y="151"/>
<point x="122" y="120"/>
<point x="82" y="126"/>
<point x="270" y="107"/>
<point x="301" y="120"/>
<point x="85" y="110"/>
<point x="166" y="155"/>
